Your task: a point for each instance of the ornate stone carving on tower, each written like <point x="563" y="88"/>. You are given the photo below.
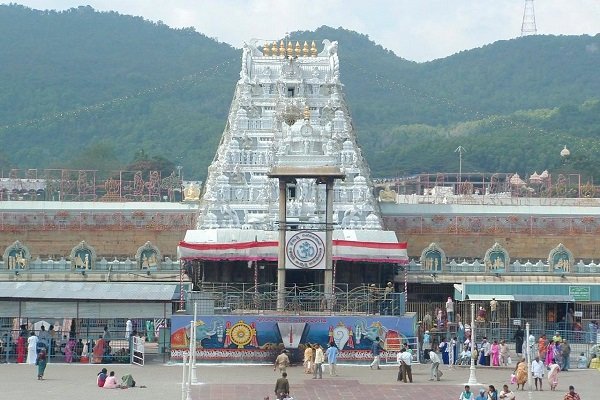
<point x="288" y="109"/>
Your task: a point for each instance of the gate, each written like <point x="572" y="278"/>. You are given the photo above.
<point x="138" y="354"/>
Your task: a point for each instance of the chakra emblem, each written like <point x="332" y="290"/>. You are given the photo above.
<point x="305" y="250"/>
<point x="240" y="334"/>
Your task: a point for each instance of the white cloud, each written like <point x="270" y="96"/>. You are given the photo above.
<point x="418" y="30"/>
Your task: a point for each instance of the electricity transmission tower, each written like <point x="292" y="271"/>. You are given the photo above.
<point x="528" y="25"/>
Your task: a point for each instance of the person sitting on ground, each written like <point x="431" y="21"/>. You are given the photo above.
<point x="582" y="361"/>
<point x="282" y="387"/>
<point x="482" y="395"/>
<point x="572" y="395"/>
<point x="506" y="394"/>
<point x="492" y="393"/>
<point x="594" y="362"/>
<point x="466" y="394"/>
<point x="111" y="381"/>
<point x="127" y="381"/>
<point x="101" y="377"/>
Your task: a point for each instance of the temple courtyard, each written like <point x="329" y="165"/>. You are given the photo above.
<point x="255" y="382"/>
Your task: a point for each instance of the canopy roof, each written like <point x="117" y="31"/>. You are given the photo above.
<point x="251" y="245"/>
<point x="87" y="291"/>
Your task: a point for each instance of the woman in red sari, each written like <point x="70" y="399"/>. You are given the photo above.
<point x="98" y="352"/>
<point x="21" y="349"/>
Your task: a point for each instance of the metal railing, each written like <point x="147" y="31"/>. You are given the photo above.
<point x="246" y="299"/>
<point x="78" y="347"/>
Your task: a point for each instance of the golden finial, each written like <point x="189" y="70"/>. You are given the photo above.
<point x="313" y="49"/>
<point x="266" y="49"/>
<point x="282" y="49"/>
<point x="305" y="50"/>
<point x="306" y="113"/>
<point x="298" y="49"/>
<point x="274" y="49"/>
<point x="290" y="49"/>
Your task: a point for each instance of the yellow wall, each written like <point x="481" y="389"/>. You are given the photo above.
<point x="107" y="243"/>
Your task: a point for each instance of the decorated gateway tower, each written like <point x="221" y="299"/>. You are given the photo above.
<point x="288" y="225"/>
<point x="289" y="110"/>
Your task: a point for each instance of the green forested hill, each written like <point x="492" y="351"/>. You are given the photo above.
<point x="78" y="82"/>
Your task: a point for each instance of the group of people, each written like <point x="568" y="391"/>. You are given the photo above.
<point x="314" y="358"/>
<point x="108" y="380"/>
<point x="505" y="394"/>
<point x="490" y="394"/>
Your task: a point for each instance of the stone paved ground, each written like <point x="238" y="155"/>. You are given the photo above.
<point x="232" y="382"/>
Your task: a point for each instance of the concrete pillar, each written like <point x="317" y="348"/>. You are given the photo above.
<point x="281" y="247"/>
<point x="328" y="278"/>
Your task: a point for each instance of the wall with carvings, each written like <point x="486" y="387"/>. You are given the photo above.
<point x="520" y="246"/>
<point x="108" y="243"/>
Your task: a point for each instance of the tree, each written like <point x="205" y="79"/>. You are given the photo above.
<point x="143" y="162"/>
<point x="98" y="156"/>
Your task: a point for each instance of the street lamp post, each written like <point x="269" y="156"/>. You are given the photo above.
<point x="194" y="379"/>
<point x="472" y="376"/>
<point x="460" y="151"/>
<point x="529" y="349"/>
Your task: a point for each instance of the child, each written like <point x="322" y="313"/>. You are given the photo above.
<point x="582" y="361"/>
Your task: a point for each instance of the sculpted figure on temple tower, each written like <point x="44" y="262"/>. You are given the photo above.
<point x="334" y="62"/>
<point x="245" y="71"/>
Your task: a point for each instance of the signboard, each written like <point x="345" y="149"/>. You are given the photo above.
<point x="516" y="322"/>
<point x="305" y="250"/>
<point x="578" y="314"/>
<point x="580" y="293"/>
<point x="260" y="338"/>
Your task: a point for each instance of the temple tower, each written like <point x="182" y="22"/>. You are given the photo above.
<point x="288" y="109"/>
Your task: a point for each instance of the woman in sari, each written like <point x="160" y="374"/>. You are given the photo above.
<point x="98" y="351"/>
<point x="549" y="353"/>
<point x="21" y="346"/>
<point x="495" y="351"/>
<point x="553" y="374"/>
<point x="482" y="355"/>
<point x="69" y="350"/>
<point x="41" y="364"/>
<point x="542" y="347"/>
<point x="111" y="381"/>
<point x="444" y="350"/>
<point x="521" y="373"/>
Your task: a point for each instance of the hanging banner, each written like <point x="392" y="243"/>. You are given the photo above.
<point x="304" y="250"/>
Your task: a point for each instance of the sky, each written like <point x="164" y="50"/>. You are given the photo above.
<point x="417" y="30"/>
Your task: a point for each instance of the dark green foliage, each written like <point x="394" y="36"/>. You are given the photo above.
<point x="87" y="89"/>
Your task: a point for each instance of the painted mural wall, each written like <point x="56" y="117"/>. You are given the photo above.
<point x="260" y="338"/>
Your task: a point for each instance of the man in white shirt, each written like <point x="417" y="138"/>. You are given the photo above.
<point x="450" y="309"/>
<point x="537" y="371"/>
<point x="319" y="360"/>
<point x="128" y="328"/>
<point x="435" y="365"/>
<point x="405" y="360"/>
<point x="530" y="344"/>
<point x="493" y="308"/>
